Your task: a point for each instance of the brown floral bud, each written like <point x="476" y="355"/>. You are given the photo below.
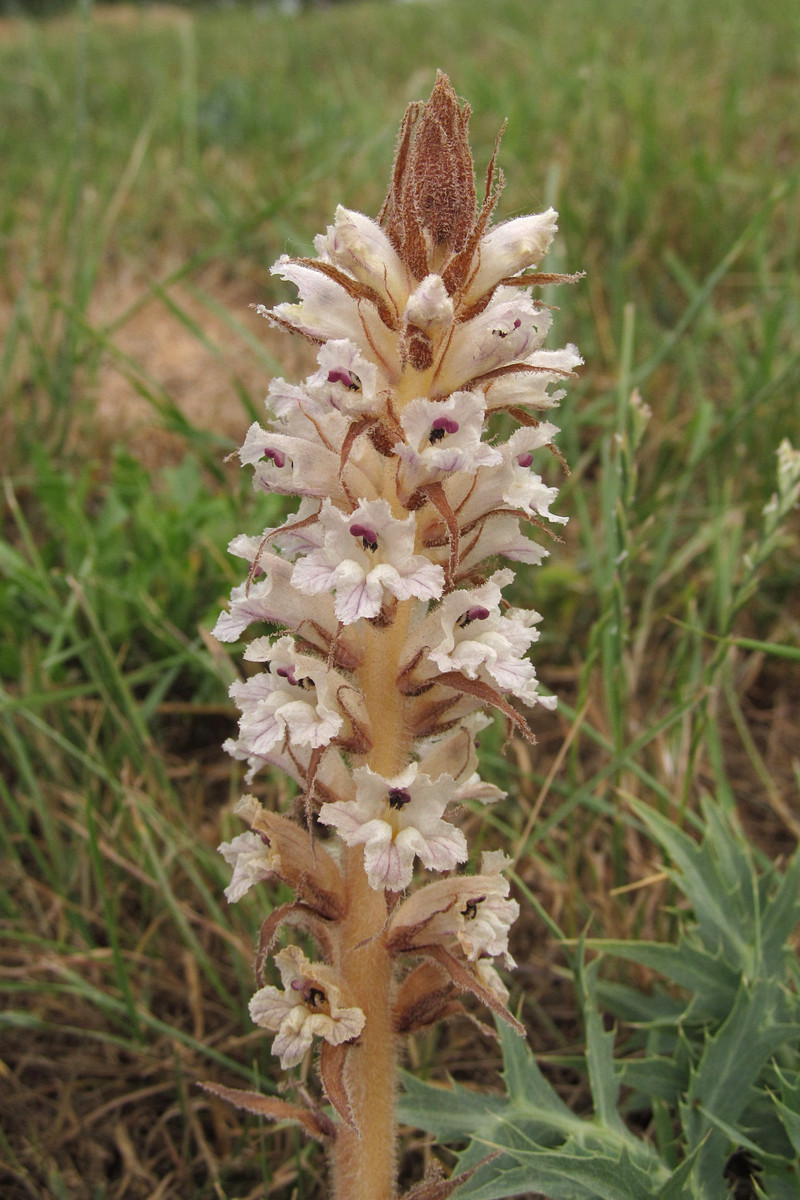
<point x="429" y="212"/>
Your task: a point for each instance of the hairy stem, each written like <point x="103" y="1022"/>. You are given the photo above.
<point x="364" y="1158"/>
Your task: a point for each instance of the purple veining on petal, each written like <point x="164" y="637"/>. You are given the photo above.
<point x="368" y="536"/>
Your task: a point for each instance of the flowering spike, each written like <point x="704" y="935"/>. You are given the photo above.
<point x="393" y="633"/>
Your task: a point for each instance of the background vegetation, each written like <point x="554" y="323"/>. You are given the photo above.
<point x="155" y="162"/>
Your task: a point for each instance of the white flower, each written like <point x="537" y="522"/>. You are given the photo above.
<point x="523" y="488"/>
<point x="397" y="820"/>
<point x="509" y="329"/>
<point x="454" y="753"/>
<point x="511" y="247"/>
<point x="252" y="859"/>
<point x="481" y="644"/>
<point x="363" y="553"/>
<point x="292" y="698"/>
<point x="346" y="380"/>
<point x="430" y="308"/>
<point x="473" y="911"/>
<point x="326" y="311"/>
<point x="310" y="1004"/>
<point x="444" y="436"/>
<point x="500" y="534"/>
<point x="528" y="386"/>
<point x="360" y="246"/>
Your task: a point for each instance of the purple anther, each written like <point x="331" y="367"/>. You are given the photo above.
<point x="277" y="456"/>
<point x="398" y="798"/>
<point x="517" y="323"/>
<point x="368" y="536"/>
<point x="288" y="674"/>
<point x="525" y="460"/>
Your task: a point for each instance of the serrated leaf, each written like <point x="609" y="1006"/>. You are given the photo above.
<point x="680" y="1186"/>
<point x="731" y="1062"/>
<point x="569" y="1173"/>
<point x="525" y="1083"/>
<point x="781" y="916"/>
<point x="718" y="903"/>
<point x="710" y="980"/>
<point x="599" y="1051"/>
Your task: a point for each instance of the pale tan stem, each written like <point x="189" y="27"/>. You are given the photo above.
<point x="364" y="1159"/>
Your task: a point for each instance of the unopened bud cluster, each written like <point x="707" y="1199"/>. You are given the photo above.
<point x="395" y="638"/>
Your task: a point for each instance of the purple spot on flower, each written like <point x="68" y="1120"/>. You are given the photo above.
<point x="265" y="839"/>
<point x="517" y="323"/>
<point x="288" y="674"/>
<point x="277" y="456"/>
<point x="347" y="378"/>
<point x="368" y="536"/>
<point x="476" y="613"/>
<point x="525" y="460"/>
<point x="398" y="798"/>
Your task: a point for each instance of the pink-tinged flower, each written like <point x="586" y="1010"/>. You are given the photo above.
<point x="284" y="398"/>
<point x="398" y="820"/>
<point x="501" y="535"/>
<point x="294" y="697"/>
<point x="311" y="1004"/>
<point x="523" y="488"/>
<point x="246" y="606"/>
<point x="273" y="598"/>
<point x="326" y="311"/>
<point x="252" y="859"/>
<point x="290" y="464"/>
<point x="509" y="329"/>
<point x="429" y="307"/>
<point x="478" y="642"/>
<point x="365" y="553"/>
<point x="444" y="436"/>
<point x="359" y="246"/>
<point x="527" y="388"/>
<point x="346" y="381"/>
<point x="472" y="911"/>
<point x="511" y="247"/>
<point x="454" y="753"/>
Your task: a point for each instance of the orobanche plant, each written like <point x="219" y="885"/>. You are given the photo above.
<point x="394" y="634"/>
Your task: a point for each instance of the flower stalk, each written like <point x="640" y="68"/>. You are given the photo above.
<point x="395" y="637"/>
